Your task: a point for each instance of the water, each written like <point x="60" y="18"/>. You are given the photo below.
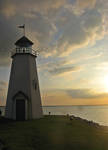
<point x="97" y="114"/>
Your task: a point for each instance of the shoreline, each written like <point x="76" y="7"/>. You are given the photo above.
<point x="93" y="113"/>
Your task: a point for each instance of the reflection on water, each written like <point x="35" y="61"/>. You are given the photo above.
<point x="96" y="113"/>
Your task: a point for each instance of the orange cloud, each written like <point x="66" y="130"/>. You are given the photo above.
<point x="77" y="97"/>
<point x="82" y="4"/>
<point x="9" y="10"/>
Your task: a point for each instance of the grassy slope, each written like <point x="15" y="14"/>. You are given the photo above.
<point x="53" y="133"/>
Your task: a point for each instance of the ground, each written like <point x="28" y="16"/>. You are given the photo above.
<point x="53" y="133"/>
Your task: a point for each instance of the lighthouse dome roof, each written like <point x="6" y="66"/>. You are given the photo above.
<point x="23" y="42"/>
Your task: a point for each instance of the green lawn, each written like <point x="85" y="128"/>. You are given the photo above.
<point x="53" y="133"/>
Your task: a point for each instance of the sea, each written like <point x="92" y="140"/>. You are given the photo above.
<point x="98" y="114"/>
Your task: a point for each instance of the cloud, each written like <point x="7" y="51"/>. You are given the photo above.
<point x="102" y="66"/>
<point x="94" y="23"/>
<point x="82" y="94"/>
<point x="79" y="31"/>
<point x="3" y="83"/>
<point x="59" y="67"/>
<point x="73" y="97"/>
<point x="8" y="36"/>
<point x="57" y="62"/>
<point x="3" y="92"/>
<point x="82" y="4"/>
<point x="3" y="86"/>
<point x="55" y="29"/>
<point x="63" y="70"/>
<point x="4" y="60"/>
<point x="9" y="8"/>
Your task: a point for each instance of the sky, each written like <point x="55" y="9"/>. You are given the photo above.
<point x="72" y="39"/>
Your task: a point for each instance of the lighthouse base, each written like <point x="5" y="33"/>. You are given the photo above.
<point x="23" y="98"/>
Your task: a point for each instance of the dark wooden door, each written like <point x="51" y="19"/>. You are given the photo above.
<point x="20" y="109"/>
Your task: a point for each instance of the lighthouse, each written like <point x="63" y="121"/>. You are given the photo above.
<point x="23" y="97"/>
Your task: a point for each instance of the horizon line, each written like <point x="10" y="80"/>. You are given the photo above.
<point x="69" y="105"/>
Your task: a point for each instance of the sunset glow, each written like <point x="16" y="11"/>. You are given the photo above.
<point x="72" y="39"/>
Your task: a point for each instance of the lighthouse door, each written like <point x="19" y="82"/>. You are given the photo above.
<point x="20" y="109"/>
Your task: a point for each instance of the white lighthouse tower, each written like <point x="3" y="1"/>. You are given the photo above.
<point x="23" y="98"/>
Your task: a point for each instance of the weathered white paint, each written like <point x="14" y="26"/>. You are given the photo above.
<point x="24" y="84"/>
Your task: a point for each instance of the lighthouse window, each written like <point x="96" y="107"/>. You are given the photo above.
<point x="34" y="84"/>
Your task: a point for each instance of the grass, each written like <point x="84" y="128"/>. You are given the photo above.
<point x="53" y="133"/>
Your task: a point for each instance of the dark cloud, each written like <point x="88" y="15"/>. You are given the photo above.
<point x="79" y="31"/>
<point x="81" y="93"/>
<point x="59" y="67"/>
<point x="62" y="70"/>
<point x="84" y="4"/>
<point x="25" y="6"/>
<point x="8" y="36"/>
<point x="3" y="83"/>
<point x="84" y="94"/>
<point x="55" y="28"/>
<point x="1" y="90"/>
<point x="93" y="20"/>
